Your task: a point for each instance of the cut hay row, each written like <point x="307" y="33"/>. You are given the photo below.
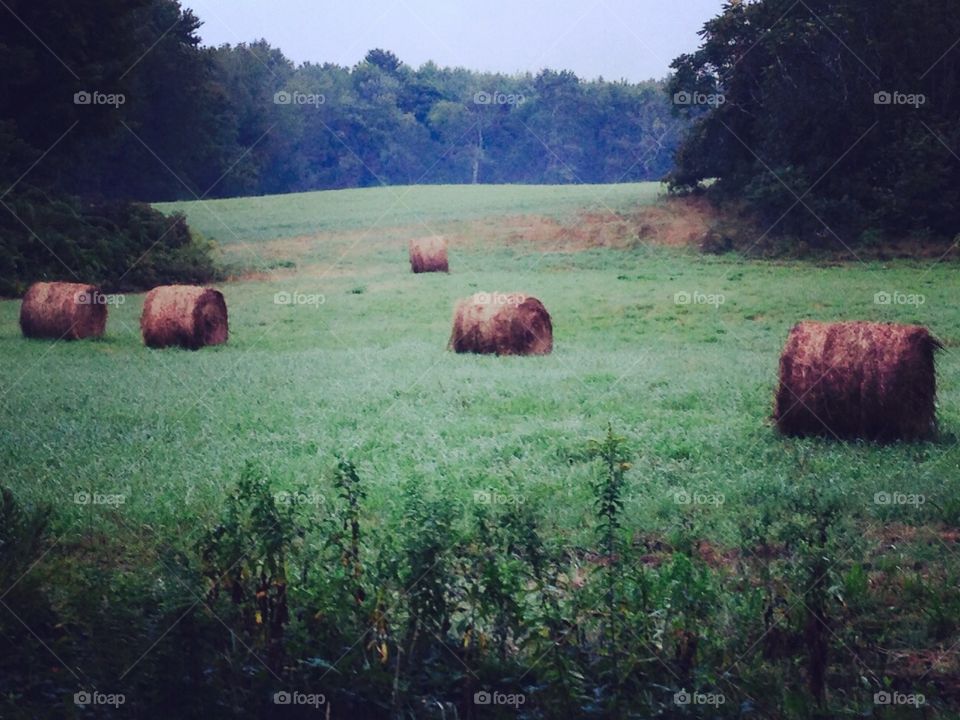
<point x="184" y="315"/>
<point x="858" y="380"/>
<point x="62" y="311"/>
<point x="502" y="324"/>
<point x="429" y="255"/>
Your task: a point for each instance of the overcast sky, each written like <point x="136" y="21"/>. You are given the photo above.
<point x="632" y="39"/>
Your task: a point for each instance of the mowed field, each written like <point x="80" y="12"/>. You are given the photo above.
<point x="356" y="366"/>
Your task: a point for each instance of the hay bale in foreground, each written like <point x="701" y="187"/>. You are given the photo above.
<point x="871" y="381"/>
<point x="502" y="324"/>
<point x="429" y="255"/>
<point x="184" y="315"/>
<point x="68" y="311"/>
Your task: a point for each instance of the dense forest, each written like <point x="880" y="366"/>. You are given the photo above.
<point x="159" y="117"/>
<point x="839" y="121"/>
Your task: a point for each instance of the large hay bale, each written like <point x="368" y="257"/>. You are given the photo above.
<point x="68" y="311"/>
<point x="185" y="315"/>
<point x="871" y="381"/>
<point x="429" y="255"/>
<point x="502" y="324"/>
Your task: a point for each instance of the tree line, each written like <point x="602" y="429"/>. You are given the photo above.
<point x="103" y="103"/>
<point x="834" y="121"/>
<point x="829" y="120"/>
<point x="150" y="114"/>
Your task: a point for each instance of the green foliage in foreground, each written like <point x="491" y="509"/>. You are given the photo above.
<point x="474" y="610"/>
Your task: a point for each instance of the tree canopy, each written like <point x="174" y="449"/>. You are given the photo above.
<point x="833" y="119"/>
<point x="243" y="119"/>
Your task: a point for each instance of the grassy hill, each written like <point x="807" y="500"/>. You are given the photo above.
<point x="362" y="371"/>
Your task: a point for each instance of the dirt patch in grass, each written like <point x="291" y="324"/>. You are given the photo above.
<point x="676" y="222"/>
<point x="274" y="253"/>
<point x="939" y="666"/>
<point x="588" y="231"/>
<point x="894" y="534"/>
<point x="326" y="255"/>
<point x="656" y="549"/>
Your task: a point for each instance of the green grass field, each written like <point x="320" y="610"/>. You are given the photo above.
<point x="365" y="372"/>
<point x="361" y="371"/>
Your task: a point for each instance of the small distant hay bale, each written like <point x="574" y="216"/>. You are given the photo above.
<point x="858" y="380"/>
<point x="184" y="315"/>
<point x="429" y="255"/>
<point x="502" y="324"/>
<point x="68" y="311"/>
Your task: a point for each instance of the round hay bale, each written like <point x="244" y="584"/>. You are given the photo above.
<point x="58" y="310"/>
<point x="858" y="380"/>
<point x="502" y="324"/>
<point x="184" y="315"/>
<point x="429" y="255"/>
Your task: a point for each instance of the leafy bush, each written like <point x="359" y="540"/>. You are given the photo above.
<point x="426" y="617"/>
<point x="118" y="245"/>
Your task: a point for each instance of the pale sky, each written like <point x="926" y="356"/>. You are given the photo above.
<point x="632" y="39"/>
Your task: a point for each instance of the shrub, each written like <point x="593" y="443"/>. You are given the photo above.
<point x="120" y="246"/>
